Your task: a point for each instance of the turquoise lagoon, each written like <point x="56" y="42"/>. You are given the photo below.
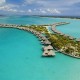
<point x="20" y="53"/>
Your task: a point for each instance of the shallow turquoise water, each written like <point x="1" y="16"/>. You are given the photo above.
<point x="72" y="29"/>
<point x="20" y="56"/>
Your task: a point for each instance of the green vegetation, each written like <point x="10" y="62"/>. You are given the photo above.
<point x="65" y="44"/>
<point x="39" y="28"/>
<point x="61" y="43"/>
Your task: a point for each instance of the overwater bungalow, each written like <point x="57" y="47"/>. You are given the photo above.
<point x="45" y="53"/>
<point x="51" y="53"/>
<point x="43" y="38"/>
<point x="48" y="51"/>
<point x="37" y="33"/>
<point x="49" y="47"/>
<point x="46" y="42"/>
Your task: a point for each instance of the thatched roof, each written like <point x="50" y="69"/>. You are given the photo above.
<point x="51" y="53"/>
<point x="45" y="53"/>
<point x="48" y="47"/>
<point x="47" y="42"/>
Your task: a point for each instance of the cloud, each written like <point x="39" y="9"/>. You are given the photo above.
<point x="43" y="11"/>
<point x="8" y="7"/>
<point x="41" y="6"/>
<point x="54" y="11"/>
<point x="49" y="11"/>
<point x="2" y="1"/>
<point x="29" y="10"/>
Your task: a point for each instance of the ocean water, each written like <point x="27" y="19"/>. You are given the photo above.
<point x="20" y="54"/>
<point x="72" y="29"/>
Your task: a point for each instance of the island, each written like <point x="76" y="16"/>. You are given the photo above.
<point x="52" y="42"/>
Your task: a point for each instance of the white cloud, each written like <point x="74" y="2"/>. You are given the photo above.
<point x="4" y="7"/>
<point x="49" y="11"/>
<point x="9" y="8"/>
<point x="57" y="11"/>
<point x="53" y="11"/>
<point x="12" y="10"/>
<point x="2" y="1"/>
<point x="29" y="10"/>
<point x="43" y="11"/>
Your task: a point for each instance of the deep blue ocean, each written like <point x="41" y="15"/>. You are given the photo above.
<point x="21" y="51"/>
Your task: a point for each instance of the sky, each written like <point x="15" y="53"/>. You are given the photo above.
<point x="40" y="7"/>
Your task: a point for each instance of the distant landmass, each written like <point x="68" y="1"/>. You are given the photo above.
<point x="54" y="16"/>
<point x="72" y="17"/>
